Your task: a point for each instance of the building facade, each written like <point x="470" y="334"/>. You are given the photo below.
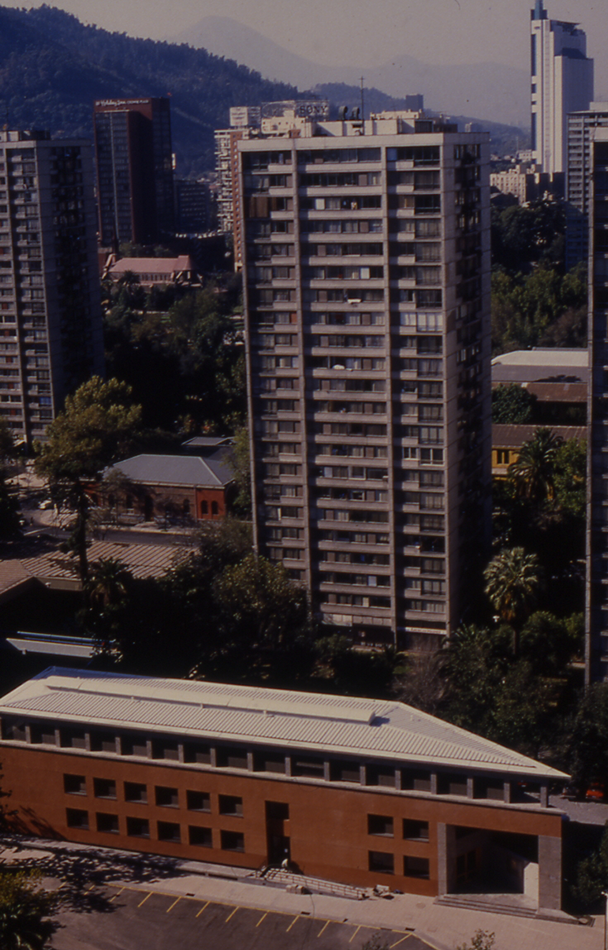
<point x="368" y="346"/>
<point x="357" y="791"/>
<point x="50" y="312"/>
<point x="134" y="170"/>
<point x="562" y="82"/>
<point x="581" y="133"/>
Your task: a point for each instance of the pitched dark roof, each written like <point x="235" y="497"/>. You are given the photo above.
<point x="186" y="470"/>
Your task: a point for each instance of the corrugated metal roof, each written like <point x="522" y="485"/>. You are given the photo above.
<point x="306" y="721"/>
<point x="189" y="470"/>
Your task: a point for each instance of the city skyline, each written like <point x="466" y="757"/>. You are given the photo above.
<point x="355" y="32"/>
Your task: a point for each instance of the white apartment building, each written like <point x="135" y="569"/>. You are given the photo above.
<point x="366" y="249"/>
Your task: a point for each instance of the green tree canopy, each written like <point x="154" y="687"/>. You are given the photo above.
<point x="24" y="911"/>
<point x="512" y="583"/>
<point x="533" y="472"/>
<point x="511" y="405"/>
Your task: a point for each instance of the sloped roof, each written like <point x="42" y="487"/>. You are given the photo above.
<point x="187" y="470"/>
<point x="514" y="436"/>
<point x="307" y="721"/>
<point x="152" y="265"/>
<point x="548" y="364"/>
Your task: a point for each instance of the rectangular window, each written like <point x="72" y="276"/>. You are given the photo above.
<point x="107" y="823"/>
<point x="417" y="780"/>
<point x="74" y="784"/>
<point x="452" y="785"/>
<point x="232" y="841"/>
<point x="198" y="801"/>
<point x="381" y="862"/>
<point x="104" y="788"/>
<point x="308" y="766"/>
<point x="201" y="837"/>
<point x="168" y="831"/>
<point x="345" y="772"/>
<point x="197" y="752"/>
<point x="269" y="762"/>
<point x="165" y="749"/>
<point x="73" y="738"/>
<point x="43" y="734"/>
<point x="134" y="792"/>
<point x="415" y="830"/>
<point x="103" y="742"/>
<point x="75" y="818"/>
<point x="138" y="827"/>
<point x="134" y="745"/>
<point x="380" y="825"/>
<point x="231" y="757"/>
<point x="416" y="867"/>
<point x="231" y="805"/>
<point x="167" y="797"/>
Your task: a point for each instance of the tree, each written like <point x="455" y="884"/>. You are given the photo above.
<point x="241" y="466"/>
<point x="588" y="743"/>
<point x="482" y="940"/>
<point x="97" y="427"/>
<point x="511" y="405"/>
<point x="10" y="526"/>
<point x="569" y="477"/>
<point x="512" y="583"/>
<point x="24" y="911"/>
<point x="592" y="874"/>
<point x="534" y="469"/>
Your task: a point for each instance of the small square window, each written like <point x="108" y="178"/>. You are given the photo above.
<point x="75" y="818"/>
<point x="198" y="801"/>
<point x="415" y="867"/>
<point x="107" y="823"/>
<point x="200" y="836"/>
<point x="74" y="784"/>
<point x="230" y="805"/>
<point x="138" y="827"/>
<point x="104" y="788"/>
<point x="167" y="831"/>
<point x="232" y="841"/>
<point x="417" y="830"/>
<point x="134" y="792"/>
<point x="103" y="742"/>
<point x="381" y="862"/>
<point x="380" y="825"/>
<point x="167" y="797"/>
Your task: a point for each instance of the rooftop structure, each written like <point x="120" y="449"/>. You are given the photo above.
<point x="353" y="790"/>
<point x="551" y="365"/>
<point x="153" y="271"/>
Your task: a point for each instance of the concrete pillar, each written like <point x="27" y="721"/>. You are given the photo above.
<point x="363" y="774"/>
<point x="287" y="765"/>
<point x="549" y="872"/>
<point x="507" y="793"/>
<point x="446" y="858"/>
<point x="544" y="796"/>
<point x="398" y="779"/>
<point x="470" y="787"/>
<point x="327" y="770"/>
<point x="434" y="783"/>
<point x="250" y="761"/>
<point x="213" y="756"/>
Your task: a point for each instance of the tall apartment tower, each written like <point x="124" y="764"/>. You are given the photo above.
<point x="582" y="128"/>
<point x="597" y="470"/>
<point x="562" y="82"/>
<point x="134" y="170"/>
<point x="368" y="348"/>
<point x="50" y="313"/>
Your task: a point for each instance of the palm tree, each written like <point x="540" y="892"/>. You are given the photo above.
<point x="512" y="585"/>
<point x="107" y="584"/>
<point x="533" y="471"/>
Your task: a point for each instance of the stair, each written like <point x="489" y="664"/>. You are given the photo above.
<point x="499" y="905"/>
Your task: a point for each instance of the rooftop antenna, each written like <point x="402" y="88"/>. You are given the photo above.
<point x="362" y="101"/>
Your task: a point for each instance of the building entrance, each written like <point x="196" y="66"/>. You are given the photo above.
<point x="278" y="843"/>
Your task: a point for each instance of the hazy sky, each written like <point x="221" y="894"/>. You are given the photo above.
<point x="368" y="32"/>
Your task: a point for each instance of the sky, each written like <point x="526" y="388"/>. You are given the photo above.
<point x="366" y="32"/>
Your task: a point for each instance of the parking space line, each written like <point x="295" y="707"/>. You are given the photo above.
<point x="326" y="924"/>
<point x="203" y="908"/>
<point x="261" y="919"/>
<point x="230" y="916"/>
<point x="117" y="894"/>
<point x="292" y="923"/>
<point x="355" y="934"/>
<point x="141" y="903"/>
<point x="173" y="904"/>
<point x="399" y="941"/>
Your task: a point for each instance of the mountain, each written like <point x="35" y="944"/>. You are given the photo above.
<point x="487" y="90"/>
<point x="52" y="68"/>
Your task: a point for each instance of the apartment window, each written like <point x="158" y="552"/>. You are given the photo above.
<point x="76" y="818"/>
<point x="134" y="792"/>
<point x="417" y="780"/>
<point x="381" y="862"/>
<point x="138" y="827"/>
<point x="201" y="837"/>
<point x="167" y="797"/>
<point x="347" y="771"/>
<point x="165" y="749"/>
<point x="269" y="762"/>
<point x="73" y="739"/>
<point x="415" y="830"/>
<point x="74" y="784"/>
<point x="196" y="752"/>
<point x="198" y="801"/>
<point x="380" y="825"/>
<point x="232" y="841"/>
<point x="168" y="831"/>
<point x="231" y="805"/>
<point x="452" y="785"/>
<point x="43" y="734"/>
<point x="104" y="788"/>
<point x="107" y="823"/>
<point x="134" y="745"/>
<point x="416" y="867"/>
<point x="231" y="757"/>
<point x="308" y="767"/>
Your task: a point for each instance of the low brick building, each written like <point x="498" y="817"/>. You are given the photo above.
<point x="358" y="791"/>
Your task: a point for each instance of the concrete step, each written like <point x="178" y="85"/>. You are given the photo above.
<point x="491" y="905"/>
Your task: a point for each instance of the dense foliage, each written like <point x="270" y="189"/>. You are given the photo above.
<point x="24" y="911"/>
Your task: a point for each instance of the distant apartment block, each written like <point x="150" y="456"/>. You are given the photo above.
<point x="523" y="182"/>
<point x="366" y="255"/>
<point x="562" y="82"/>
<point x="134" y="170"/>
<point x="50" y="311"/>
<point x="191" y="206"/>
<point x="582" y="127"/>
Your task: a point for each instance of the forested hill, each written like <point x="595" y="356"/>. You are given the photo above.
<point x="52" y="68"/>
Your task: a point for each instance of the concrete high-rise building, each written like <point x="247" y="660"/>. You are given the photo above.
<point x="582" y="128"/>
<point x="562" y="82"/>
<point x="50" y="313"/>
<point x="134" y="170"/>
<point x="366" y="255"/>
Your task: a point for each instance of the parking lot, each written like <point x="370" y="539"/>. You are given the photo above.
<point x="133" y="917"/>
